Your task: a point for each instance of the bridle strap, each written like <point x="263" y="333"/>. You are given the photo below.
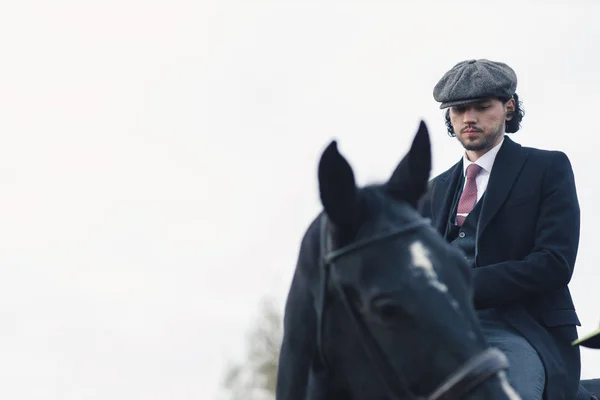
<point x="330" y="255"/>
<point x="325" y="241"/>
<point x="474" y="372"/>
<point x="327" y="259"/>
<point x="394" y="384"/>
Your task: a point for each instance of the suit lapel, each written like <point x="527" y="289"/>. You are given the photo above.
<point x="444" y="196"/>
<point x="508" y="164"/>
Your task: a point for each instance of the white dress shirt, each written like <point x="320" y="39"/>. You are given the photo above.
<point x="486" y="162"/>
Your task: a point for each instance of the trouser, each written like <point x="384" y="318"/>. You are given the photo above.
<point x="526" y="372"/>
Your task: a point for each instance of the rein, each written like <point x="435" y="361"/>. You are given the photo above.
<point x="471" y="374"/>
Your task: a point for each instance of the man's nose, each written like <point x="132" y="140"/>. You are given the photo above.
<point x="469" y="116"/>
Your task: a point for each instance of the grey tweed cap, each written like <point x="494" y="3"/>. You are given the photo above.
<point x="474" y="80"/>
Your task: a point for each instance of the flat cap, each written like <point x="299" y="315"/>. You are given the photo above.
<point x="474" y="80"/>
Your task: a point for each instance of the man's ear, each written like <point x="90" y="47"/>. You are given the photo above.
<point x="510" y="109"/>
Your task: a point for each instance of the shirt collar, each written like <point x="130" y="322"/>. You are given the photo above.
<point x="486" y="161"/>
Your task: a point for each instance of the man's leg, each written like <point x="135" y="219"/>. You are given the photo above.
<point x="525" y="372"/>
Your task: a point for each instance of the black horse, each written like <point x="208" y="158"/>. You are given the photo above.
<point x="380" y="306"/>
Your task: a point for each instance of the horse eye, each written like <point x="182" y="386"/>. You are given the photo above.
<point x="386" y="309"/>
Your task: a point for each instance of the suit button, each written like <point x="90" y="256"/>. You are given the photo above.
<point x="462" y="234"/>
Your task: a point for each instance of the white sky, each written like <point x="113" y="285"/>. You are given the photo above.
<point x="158" y="163"/>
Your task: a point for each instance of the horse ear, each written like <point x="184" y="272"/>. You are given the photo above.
<point x="337" y="188"/>
<point x="409" y="180"/>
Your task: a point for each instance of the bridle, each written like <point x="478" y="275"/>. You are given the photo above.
<point x="471" y="374"/>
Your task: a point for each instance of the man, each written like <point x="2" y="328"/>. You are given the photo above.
<point x="514" y="212"/>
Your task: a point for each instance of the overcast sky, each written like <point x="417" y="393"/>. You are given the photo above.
<point x="158" y="163"/>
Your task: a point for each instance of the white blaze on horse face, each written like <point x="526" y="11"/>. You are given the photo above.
<point x="421" y="261"/>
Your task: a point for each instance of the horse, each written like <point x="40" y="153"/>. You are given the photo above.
<point x="380" y="306"/>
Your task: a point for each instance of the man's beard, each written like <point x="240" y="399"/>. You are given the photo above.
<point x="485" y="142"/>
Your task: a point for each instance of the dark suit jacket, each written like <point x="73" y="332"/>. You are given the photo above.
<point x="527" y="241"/>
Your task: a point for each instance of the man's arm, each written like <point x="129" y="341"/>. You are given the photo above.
<point x="550" y="265"/>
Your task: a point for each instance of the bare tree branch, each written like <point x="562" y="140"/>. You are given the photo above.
<point x="255" y="378"/>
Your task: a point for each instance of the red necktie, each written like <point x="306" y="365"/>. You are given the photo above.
<point x="468" y="197"/>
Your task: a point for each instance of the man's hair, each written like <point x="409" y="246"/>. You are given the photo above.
<point x="512" y="125"/>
